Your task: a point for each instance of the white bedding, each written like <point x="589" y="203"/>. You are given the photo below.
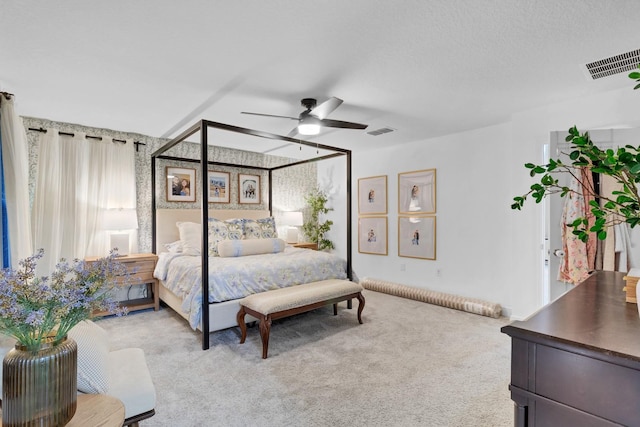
<point x="236" y="277"/>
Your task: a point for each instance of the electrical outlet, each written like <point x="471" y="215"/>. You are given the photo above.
<point x="403" y="267"/>
<point x="438" y="273"/>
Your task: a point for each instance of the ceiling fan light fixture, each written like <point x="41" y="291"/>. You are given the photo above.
<point x="309" y="126"/>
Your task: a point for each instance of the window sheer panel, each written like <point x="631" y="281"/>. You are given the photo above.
<point x="77" y="180"/>
<point x="16" y="180"/>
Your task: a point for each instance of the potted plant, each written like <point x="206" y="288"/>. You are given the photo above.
<point x="40" y="373"/>
<point x="315" y="228"/>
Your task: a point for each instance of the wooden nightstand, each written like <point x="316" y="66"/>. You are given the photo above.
<point x="141" y="267"/>
<point x="306" y="245"/>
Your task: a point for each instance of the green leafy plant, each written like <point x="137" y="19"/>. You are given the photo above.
<point x="314" y="228"/>
<point x="34" y="310"/>
<point x="623" y="165"/>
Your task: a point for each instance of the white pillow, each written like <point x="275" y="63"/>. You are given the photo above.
<point x="174" y="247"/>
<point x="235" y="248"/>
<point x="93" y="355"/>
<point x="191" y="237"/>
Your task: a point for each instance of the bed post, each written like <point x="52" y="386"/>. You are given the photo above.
<point x="204" y="251"/>
<point x="270" y="193"/>
<point x="153" y="205"/>
<point x="349" y="235"/>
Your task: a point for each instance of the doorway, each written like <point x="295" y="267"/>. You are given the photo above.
<point x="552" y="240"/>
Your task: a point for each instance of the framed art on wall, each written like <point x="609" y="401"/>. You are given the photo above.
<point x="218" y="187"/>
<point x="181" y="184"/>
<point x="417" y="192"/>
<point x="372" y="235"/>
<point x="248" y="188"/>
<point x="417" y="237"/>
<point x="372" y="195"/>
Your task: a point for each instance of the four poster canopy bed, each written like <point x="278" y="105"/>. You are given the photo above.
<point x="209" y="259"/>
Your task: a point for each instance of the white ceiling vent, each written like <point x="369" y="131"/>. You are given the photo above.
<point x="380" y="131"/>
<point x="614" y="65"/>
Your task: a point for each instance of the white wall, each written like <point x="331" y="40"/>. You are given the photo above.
<point x="484" y="249"/>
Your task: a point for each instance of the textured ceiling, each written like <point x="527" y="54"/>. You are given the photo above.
<point x="423" y="67"/>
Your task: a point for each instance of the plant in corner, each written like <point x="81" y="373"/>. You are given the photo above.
<point x="623" y="165"/>
<point x="315" y="228"/>
<point x="39" y="374"/>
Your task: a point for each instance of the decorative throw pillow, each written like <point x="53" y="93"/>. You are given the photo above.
<point x="191" y="237"/>
<point x="263" y="228"/>
<point x="235" y="248"/>
<point x="93" y="354"/>
<point x="223" y="230"/>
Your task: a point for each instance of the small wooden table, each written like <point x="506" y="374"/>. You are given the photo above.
<point x="96" y="410"/>
<point x="140" y="268"/>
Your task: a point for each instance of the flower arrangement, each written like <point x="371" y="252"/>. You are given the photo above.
<point x="34" y="310"/>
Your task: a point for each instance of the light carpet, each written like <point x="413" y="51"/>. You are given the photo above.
<point x="409" y="364"/>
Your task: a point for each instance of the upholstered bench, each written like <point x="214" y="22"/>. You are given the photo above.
<point x="285" y="302"/>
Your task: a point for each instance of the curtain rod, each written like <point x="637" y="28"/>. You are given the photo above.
<point x="136" y="143"/>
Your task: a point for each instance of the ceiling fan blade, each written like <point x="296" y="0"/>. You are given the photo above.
<point x="293" y="132"/>
<point x="323" y="110"/>
<point x="340" y="124"/>
<point x="270" y="115"/>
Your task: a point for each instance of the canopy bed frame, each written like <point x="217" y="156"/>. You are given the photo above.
<point x="203" y="213"/>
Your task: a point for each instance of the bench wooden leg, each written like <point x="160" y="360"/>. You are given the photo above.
<point x="335" y="309"/>
<point x="265" y="329"/>
<point x="360" y="306"/>
<point x="241" y="324"/>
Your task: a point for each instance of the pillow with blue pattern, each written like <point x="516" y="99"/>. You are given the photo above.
<point x="263" y="228"/>
<point x="223" y="230"/>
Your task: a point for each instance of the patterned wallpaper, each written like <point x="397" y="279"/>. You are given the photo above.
<point x="289" y="184"/>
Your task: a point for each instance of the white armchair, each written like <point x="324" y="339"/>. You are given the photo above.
<point x="123" y="374"/>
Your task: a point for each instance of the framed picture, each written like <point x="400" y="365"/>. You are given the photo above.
<point x="372" y="235"/>
<point x="181" y="184"/>
<point x="248" y="188"/>
<point x="417" y="192"/>
<point x="372" y="195"/>
<point x="417" y="237"/>
<point x="218" y="187"/>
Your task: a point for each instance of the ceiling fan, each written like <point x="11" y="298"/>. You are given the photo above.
<point x="314" y="117"/>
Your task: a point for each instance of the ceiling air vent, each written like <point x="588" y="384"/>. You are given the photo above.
<point x="614" y="65"/>
<point x="380" y="131"/>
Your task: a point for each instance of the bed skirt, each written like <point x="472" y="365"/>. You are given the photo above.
<point x="222" y="315"/>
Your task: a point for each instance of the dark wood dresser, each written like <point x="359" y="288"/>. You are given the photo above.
<point x="576" y="362"/>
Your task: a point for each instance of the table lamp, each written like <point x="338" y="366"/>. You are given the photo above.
<point x="116" y="221"/>
<point x="293" y="220"/>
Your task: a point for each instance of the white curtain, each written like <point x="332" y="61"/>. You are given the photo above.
<point x="16" y="180"/>
<point x="78" y="178"/>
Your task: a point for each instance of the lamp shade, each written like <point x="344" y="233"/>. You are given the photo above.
<point x="120" y="219"/>
<point x="292" y="219"/>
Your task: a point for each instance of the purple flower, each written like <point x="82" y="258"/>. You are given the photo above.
<point x="33" y="307"/>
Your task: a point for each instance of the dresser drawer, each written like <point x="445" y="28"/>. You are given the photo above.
<point x="587" y="384"/>
<point x="142" y="266"/>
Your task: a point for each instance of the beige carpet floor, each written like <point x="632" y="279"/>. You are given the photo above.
<point x="409" y="364"/>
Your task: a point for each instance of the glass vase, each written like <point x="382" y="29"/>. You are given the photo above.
<point x="40" y="389"/>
